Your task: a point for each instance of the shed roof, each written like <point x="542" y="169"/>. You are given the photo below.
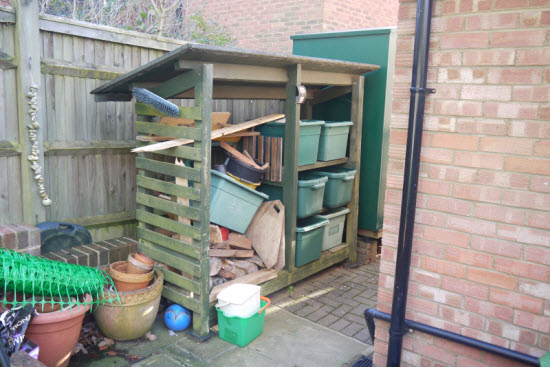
<point x="163" y="69"/>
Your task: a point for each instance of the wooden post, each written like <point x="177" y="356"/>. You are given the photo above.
<point x="290" y="171"/>
<point x="355" y="160"/>
<point x="27" y="57"/>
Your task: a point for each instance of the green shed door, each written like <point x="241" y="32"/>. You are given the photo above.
<point x="373" y="47"/>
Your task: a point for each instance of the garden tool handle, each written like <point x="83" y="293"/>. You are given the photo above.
<point x="268" y="303"/>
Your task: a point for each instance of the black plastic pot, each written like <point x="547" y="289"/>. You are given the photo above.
<point x="244" y="171"/>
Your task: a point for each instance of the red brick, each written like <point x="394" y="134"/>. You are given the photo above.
<point x="481" y="126"/>
<point x="537" y="166"/>
<point x="531" y="93"/>
<point x="516" y="300"/>
<point x="455" y="174"/>
<point x="537" y="255"/>
<point x="489" y="309"/>
<point x="437" y="354"/>
<point x="491" y="21"/>
<point x="446" y="236"/>
<point x="526" y="200"/>
<point x="449" y="205"/>
<point x="440" y="296"/>
<point x="465" y="287"/>
<point x="455" y="141"/>
<point x="477" y="193"/>
<point x="539" y="220"/>
<point x="510" y="4"/>
<point x="517" y="38"/>
<point x="497" y="247"/>
<point x="8" y="238"/>
<point x="511" y="110"/>
<point x="430" y="218"/>
<point x="457" y="348"/>
<point x="506" y="145"/>
<point x="487" y="92"/>
<point x="428" y="248"/>
<point x="433" y="187"/>
<point x="472" y="225"/>
<point x="489" y="57"/>
<point x="479" y="160"/>
<point x="461" y="317"/>
<point x="492" y="278"/>
<point x="450" y="58"/>
<point x="500" y="213"/>
<point x="538" y="56"/>
<point x="514" y="76"/>
<point x="496" y="361"/>
<point x="539" y="130"/>
<point x="503" y="179"/>
<point x="435" y="155"/>
<point x="421" y="305"/>
<point x="466" y="362"/>
<point x="444" y="267"/>
<point x="542" y="148"/>
<point x="468" y="257"/>
<point x="459" y="108"/>
<point x="535" y="289"/>
<point x="438" y="123"/>
<point x="524" y="235"/>
<point x="535" y="322"/>
<point x="521" y="268"/>
<point x="425" y="277"/>
<point x="540" y="184"/>
<point x="464" y="40"/>
<point x="460" y="76"/>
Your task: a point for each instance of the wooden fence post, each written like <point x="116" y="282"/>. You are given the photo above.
<point x="27" y="57"/>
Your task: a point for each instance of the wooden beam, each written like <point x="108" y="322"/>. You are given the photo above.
<point x="177" y="84"/>
<point x="27" y="56"/>
<point x="101" y="72"/>
<point x="103" y="220"/>
<point x="241" y="92"/>
<point x="7" y="15"/>
<point x="330" y="93"/>
<point x="113" y="97"/>
<point x="9" y="149"/>
<point x="103" y="147"/>
<point x="6" y="61"/>
<point x="310" y="77"/>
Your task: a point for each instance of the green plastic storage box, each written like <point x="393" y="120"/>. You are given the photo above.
<point x="339" y="185"/>
<point x="309" y="239"/>
<point x="310" y="194"/>
<point x="232" y="204"/>
<point x="241" y="331"/>
<point x="310" y="131"/>
<point x="333" y="142"/>
<point x="334" y="230"/>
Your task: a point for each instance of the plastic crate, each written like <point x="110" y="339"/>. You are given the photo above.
<point x="241" y="331"/>
<point x="334" y="230"/>
<point x="338" y="187"/>
<point x="333" y="142"/>
<point x="309" y="239"/>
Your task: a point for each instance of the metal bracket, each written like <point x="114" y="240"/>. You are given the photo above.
<point x="422" y="90"/>
<point x="301" y="94"/>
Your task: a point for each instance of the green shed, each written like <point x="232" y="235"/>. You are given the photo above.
<point x="376" y="46"/>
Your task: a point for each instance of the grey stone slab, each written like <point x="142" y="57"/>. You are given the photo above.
<point x="317" y="315"/>
<point x="328" y="320"/>
<point x="342" y="310"/>
<point x="246" y="357"/>
<point x="339" y="325"/>
<point x="206" y="350"/>
<point x="158" y="360"/>
<point x="352" y="329"/>
<point x="304" y="311"/>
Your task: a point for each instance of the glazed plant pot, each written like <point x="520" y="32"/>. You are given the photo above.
<point x="125" y="282"/>
<point x="139" y="264"/>
<point x="133" y="317"/>
<point x="56" y="333"/>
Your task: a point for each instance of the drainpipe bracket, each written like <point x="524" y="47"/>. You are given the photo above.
<point x="422" y="90"/>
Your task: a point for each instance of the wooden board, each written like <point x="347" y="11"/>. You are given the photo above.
<point x="253" y="278"/>
<point x="265" y="231"/>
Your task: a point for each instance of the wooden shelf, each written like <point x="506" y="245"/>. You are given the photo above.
<point x="273" y="183"/>
<point x="320" y="164"/>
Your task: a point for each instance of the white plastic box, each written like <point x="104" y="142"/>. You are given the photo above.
<point x="241" y="300"/>
<point x="334" y="230"/>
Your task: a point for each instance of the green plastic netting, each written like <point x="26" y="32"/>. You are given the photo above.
<point x="29" y="279"/>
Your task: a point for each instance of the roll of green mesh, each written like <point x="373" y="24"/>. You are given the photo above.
<point x="29" y="279"/>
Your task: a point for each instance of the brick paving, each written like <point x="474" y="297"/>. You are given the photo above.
<point x="335" y="298"/>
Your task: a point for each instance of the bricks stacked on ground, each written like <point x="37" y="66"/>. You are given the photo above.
<point x="268" y="24"/>
<point x="98" y="253"/>
<point x="481" y="252"/>
<point x="21" y="238"/>
<point x="367" y="249"/>
<point x="335" y="298"/>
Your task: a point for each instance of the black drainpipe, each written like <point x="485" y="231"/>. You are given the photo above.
<point x="410" y="182"/>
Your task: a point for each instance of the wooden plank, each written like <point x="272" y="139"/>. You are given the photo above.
<point x="238" y="155"/>
<point x="27" y="52"/>
<point x="168" y="242"/>
<point x="314" y="77"/>
<point x="6" y="61"/>
<point x="169" y="257"/>
<point x="185" y="112"/>
<point x="215" y="134"/>
<point x="253" y="278"/>
<point x="176" y="295"/>
<point x="9" y="149"/>
<point x="182" y="200"/>
<point x="231" y="253"/>
<point x="180" y="281"/>
<point x="184" y="152"/>
<point x="67" y="68"/>
<point x="177" y="84"/>
<point x="102" y="220"/>
<point x="238" y="72"/>
<point x="168" y="130"/>
<point x="168" y="206"/>
<point x="321" y="164"/>
<point x="7" y="15"/>
<point x="94" y="147"/>
<point x="158" y="221"/>
<point x="167" y="187"/>
<point x="355" y="160"/>
<point x="324" y="95"/>
<point x="168" y="169"/>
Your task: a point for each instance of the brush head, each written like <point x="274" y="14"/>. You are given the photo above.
<point x="158" y="103"/>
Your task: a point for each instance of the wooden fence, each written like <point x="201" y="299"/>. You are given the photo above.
<point x="88" y="170"/>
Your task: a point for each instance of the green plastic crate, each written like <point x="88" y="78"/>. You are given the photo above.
<point x="308" y="141"/>
<point x="334" y="230"/>
<point x="309" y="239"/>
<point x="241" y="331"/>
<point x="338" y="187"/>
<point x="310" y="194"/>
<point x="333" y="142"/>
<point x="232" y="204"/>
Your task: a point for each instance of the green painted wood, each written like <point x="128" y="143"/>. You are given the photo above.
<point x="168" y="242"/>
<point x="101" y="72"/>
<point x="169" y="257"/>
<point x="167" y="187"/>
<point x="185" y="112"/>
<point x="321" y="164"/>
<point x="290" y="172"/>
<point x="178" y="296"/>
<point x="169" y="169"/>
<point x="178" y="84"/>
<point x="168" y="130"/>
<point x="6" y="61"/>
<point x="27" y="56"/>
<point x="184" y="151"/>
<point x="91" y="147"/>
<point x="203" y="100"/>
<point x="168" y="206"/>
<point x="180" y="281"/>
<point x="169" y="224"/>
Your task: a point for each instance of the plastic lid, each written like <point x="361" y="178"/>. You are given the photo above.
<point x="307" y="179"/>
<point x="335" y="172"/>
<point x="311" y="223"/>
<point x="238" y="294"/>
<point x="232" y="180"/>
<point x="329" y="124"/>
<point x="333" y="213"/>
<point x="302" y="122"/>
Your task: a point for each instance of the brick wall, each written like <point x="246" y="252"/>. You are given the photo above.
<point x="267" y="25"/>
<point x="23" y="238"/>
<point x="481" y="251"/>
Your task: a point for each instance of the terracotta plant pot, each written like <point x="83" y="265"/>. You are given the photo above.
<point x="139" y="264"/>
<point x="56" y="333"/>
<point x="133" y="317"/>
<point x="46" y="307"/>
<point x="125" y="282"/>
